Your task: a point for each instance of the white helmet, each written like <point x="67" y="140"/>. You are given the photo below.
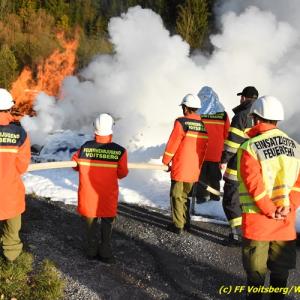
<point x="103" y="124"/>
<point x="268" y="107"/>
<point x="190" y="100"/>
<point x="6" y="100"/>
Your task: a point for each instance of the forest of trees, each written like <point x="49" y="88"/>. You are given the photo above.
<point x="28" y="28"/>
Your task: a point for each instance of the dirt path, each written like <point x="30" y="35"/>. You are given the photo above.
<point x="152" y="263"/>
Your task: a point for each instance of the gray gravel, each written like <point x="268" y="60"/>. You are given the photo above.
<point x="152" y="263"/>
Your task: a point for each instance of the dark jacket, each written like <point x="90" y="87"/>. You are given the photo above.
<point x="240" y="124"/>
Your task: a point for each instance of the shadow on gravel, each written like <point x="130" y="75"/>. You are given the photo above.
<point x="143" y="271"/>
<point x="151" y="262"/>
<point x="186" y="278"/>
<point x="55" y="231"/>
<point x="155" y="218"/>
<point x="137" y="213"/>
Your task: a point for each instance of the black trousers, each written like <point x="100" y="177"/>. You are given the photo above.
<point x="99" y="241"/>
<point x="211" y="175"/>
<point x="231" y="203"/>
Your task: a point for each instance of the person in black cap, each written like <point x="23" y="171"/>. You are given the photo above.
<point x="240" y="123"/>
<point x="248" y="93"/>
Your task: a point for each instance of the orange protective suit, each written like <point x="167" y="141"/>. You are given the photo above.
<point x="186" y="148"/>
<point x="100" y="164"/>
<point x="257" y="225"/>
<point x="217" y="126"/>
<point x="14" y="160"/>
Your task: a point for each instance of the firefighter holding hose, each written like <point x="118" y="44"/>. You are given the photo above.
<point x="14" y="160"/>
<point x="100" y="163"/>
<point x="184" y="154"/>
<point x="217" y="124"/>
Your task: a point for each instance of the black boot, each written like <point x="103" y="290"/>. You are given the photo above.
<point x="234" y="238"/>
<point x="174" y="229"/>
<point x="276" y="282"/>
<point x="92" y="238"/>
<point x="252" y="293"/>
<point x="105" y="250"/>
<point x="255" y="281"/>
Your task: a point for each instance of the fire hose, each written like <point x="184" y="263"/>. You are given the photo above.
<point x="144" y="166"/>
<point x="72" y="164"/>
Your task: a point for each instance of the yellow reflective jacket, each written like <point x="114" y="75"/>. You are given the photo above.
<point x="268" y="171"/>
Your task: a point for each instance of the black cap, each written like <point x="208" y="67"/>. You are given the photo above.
<point x="249" y="92"/>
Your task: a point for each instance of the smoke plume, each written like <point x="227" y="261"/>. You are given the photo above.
<point x="145" y="79"/>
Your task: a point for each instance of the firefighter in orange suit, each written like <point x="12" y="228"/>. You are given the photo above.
<point x="184" y="154"/>
<point x="269" y="175"/>
<point x="217" y="123"/>
<point x="14" y="160"/>
<point x="100" y="163"/>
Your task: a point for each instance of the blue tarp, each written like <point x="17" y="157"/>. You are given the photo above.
<point x="210" y="103"/>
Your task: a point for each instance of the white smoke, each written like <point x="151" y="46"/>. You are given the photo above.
<point x="143" y="83"/>
<point x="49" y="118"/>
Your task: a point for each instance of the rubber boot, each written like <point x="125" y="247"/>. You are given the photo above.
<point x="105" y="250"/>
<point x="252" y="295"/>
<point x="254" y="281"/>
<point x="235" y="237"/>
<point x="277" y="283"/>
<point x="92" y="238"/>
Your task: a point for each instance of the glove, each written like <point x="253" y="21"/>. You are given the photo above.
<point x="169" y="168"/>
<point x="222" y="166"/>
<point x="283" y="211"/>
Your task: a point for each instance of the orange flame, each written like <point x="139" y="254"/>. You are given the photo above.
<point x="50" y="75"/>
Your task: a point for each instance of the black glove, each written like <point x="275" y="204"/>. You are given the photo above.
<point x="169" y="168"/>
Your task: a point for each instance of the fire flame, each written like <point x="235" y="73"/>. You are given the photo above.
<point x="50" y="75"/>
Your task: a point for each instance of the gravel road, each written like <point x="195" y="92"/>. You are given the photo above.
<point x="152" y="263"/>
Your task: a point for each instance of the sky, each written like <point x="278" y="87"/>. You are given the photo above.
<point x="144" y="81"/>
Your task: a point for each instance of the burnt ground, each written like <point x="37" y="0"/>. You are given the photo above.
<point x="152" y="263"/>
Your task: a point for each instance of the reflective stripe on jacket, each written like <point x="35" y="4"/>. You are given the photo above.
<point x="186" y="148"/>
<point x="217" y="126"/>
<point x="268" y="171"/>
<point x="14" y="160"/>
<point x="240" y="124"/>
<point x="100" y="163"/>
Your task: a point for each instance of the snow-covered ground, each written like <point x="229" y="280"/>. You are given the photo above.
<point x="141" y="187"/>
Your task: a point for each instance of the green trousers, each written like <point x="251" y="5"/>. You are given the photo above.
<point x="180" y="203"/>
<point x="10" y="240"/>
<point x="99" y="241"/>
<point x="260" y="256"/>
